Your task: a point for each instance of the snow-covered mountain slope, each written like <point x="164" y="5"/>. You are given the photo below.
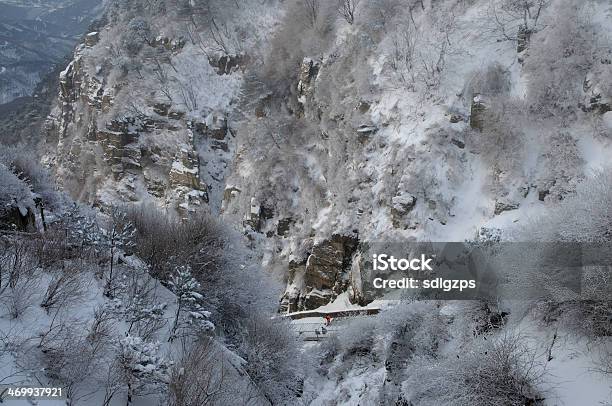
<point x="131" y="306"/>
<point x="430" y="123"/>
<point x="316" y="132"/>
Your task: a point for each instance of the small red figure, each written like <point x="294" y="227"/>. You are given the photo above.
<point x="328" y="319"/>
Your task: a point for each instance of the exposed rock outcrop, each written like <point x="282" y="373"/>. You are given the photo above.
<point x="502" y="206"/>
<point x="595" y="99"/>
<point x="523" y="37"/>
<point x="92" y="38"/>
<point x="253" y="218"/>
<point x="477" y="112"/>
<point x="226" y="64"/>
<point x="323" y="276"/>
<point x="309" y="70"/>
<point x="401" y="205"/>
<point x="170" y="44"/>
<point x="135" y="150"/>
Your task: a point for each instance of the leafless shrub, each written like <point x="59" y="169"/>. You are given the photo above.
<point x="199" y="376"/>
<point x="19" y="298"/>
<point x="53" y="248"/>
<point x="16" y="263"/>
<point x="223" y="38"/>
<point x="404" y="55"/>
<point x="113" y="382"/>
<point x="101" y="326"/>
<point x="164" y="242"/>
<point x="163" y="79"/>
<point x="66" y="287"/>
<point x="18" y="277"/>
<point x="500" y="372"/>
<point x="268" y="345"/>
<point x="603" y="361"/>
<point x="189" y="95"/>
<point x="420" y="52"/>
<point x="504" y="18"/>
<point x="311" y="10"/>
<point x="73" y="359"/>
<point x="209" y="26"/>
<point x="347" y="9"/>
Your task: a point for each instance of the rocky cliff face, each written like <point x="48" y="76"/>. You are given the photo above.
<point x="113" y="146"/>
<point x="315" y="140"/>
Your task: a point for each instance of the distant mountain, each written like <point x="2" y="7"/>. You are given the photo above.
<point x="35" y="35"/>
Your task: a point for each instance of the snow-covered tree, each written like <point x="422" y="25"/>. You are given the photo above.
<point x="141" y="365"/>
<point x="188" y="307"/>
<point x="119" y="235"/>
<point x="81" y="228"/>
<point x="140" y="310"/>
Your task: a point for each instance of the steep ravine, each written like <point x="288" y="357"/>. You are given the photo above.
<point x="340" y="145"/>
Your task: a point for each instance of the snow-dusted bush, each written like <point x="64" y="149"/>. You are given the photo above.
<point x="559" y="58"/>
<point x="376" y="15"/>
<point x="580" y="221"/>
<point x="272" y="362"/>
<point x="420" y="41"/>
<point x="22" y="162"/>
<point x="164" y="241"/>
<point x="73" y="361"/>
<point x="563" y="164"/>
<point x="390" y="341"/>
<point x="137" y="35"/>
<point x="141" y="365"/>
<point x="144" y="317"/>
<point x="417" y="325"/>
<point x="357" y="342"/>
<point x="71" y="234"/>
<point x="80" y="227"/>
<point x="136" y="303"/>
<point x="412" y="328"/>
<point x="202" y="375"/>
<point x="217" y="259"/>
<point x="476" y="317"/>
<point x="584" y="217"/>
<point x="13" y="191"/>
<point x="500" y="371"/>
